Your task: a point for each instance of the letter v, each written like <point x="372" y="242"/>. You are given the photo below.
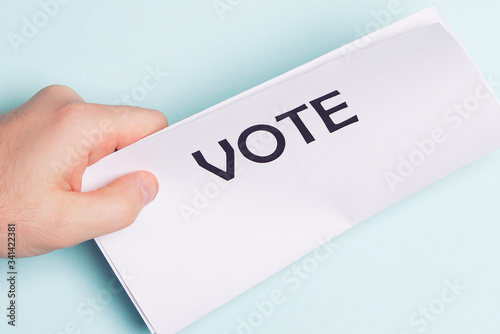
<point x="228" y="174"/>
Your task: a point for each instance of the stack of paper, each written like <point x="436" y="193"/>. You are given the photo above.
<point x="250" y="185"/>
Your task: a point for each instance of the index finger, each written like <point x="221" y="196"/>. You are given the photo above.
<point x="114" y="127"/>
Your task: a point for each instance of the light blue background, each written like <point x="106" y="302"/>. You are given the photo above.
<point x="383" y="270"/>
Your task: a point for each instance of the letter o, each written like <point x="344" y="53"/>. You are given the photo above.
<point x="255" y="319"/>
<point x="211" y="190"/>
<point x="471" y="103"/>
<point x="280" y="143"/>
<point x="416" y="158"/>
<point x="104" y="297"/>
<point x="83" y="148"/>
<point x="40" y="19"/>
<point x="436" y="306"/>
<point x="139" y="93"/>
<point x="480" y="95"/>
<point x="114" y="289"/>
<point x="310" y="265"/>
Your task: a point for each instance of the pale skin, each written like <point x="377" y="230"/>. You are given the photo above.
<point x="40" y="187"/>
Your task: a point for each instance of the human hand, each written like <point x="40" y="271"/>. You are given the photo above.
<point x="45" y="146"/>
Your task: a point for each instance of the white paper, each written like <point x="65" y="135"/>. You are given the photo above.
<point x="205" y="240"/>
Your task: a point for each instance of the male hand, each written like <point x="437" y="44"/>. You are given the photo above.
<point x="45" y="146"/>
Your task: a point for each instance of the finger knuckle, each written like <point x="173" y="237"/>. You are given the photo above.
<point x="57" y="90"/>
<point x="72" y="110"/>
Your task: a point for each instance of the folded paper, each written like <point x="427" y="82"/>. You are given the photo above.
<point x="249" y="186"/>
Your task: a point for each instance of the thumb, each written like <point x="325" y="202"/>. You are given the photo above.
<point x="108" y="209"/>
